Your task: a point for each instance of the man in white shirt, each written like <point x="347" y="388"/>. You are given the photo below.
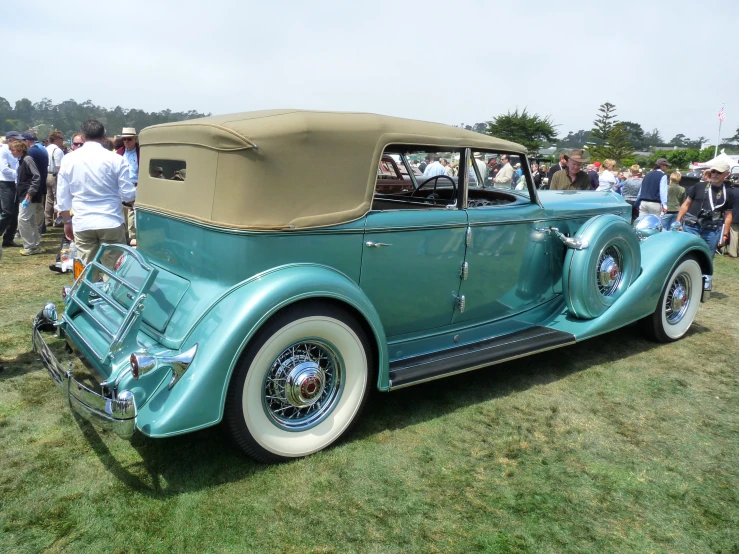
<point x="504" y="178"/>
<point x="435" y="168"/>
<point x="93" y="182"/>
<point x="55" y="161"/>
<point x="8" y="205"/>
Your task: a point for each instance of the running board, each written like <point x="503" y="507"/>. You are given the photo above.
<point x="411" y="371"/>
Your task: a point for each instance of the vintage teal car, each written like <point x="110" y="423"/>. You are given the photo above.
<point x="275" y="284"/>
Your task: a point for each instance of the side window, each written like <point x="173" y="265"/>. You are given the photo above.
<point x="493" y="174"/>
<point x="173" y="170"/>
<point x="416" y="178"/>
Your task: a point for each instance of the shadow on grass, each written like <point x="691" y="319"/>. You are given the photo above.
<point x="208" y="457"/>
<point x="175" y="465"/>
<point x="27" y="362"/>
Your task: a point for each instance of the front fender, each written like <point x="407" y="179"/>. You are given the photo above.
<point x="660" y="254"/>
<point x="223" y="332"/>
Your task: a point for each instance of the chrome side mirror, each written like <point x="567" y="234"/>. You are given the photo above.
<point x="647" y="225"/>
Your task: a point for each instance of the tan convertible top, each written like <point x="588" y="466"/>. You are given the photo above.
<point x="282" y="169"/>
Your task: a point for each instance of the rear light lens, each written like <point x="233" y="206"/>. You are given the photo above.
<point x="134" y="366"/>
<point x="121" y="260"/>
<point x="78" y="267"/>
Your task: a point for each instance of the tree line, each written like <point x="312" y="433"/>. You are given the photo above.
<point x="624" y="141"/>
<point x="68" y="116"/>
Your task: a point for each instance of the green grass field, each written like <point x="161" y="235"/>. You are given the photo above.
<point x="614" y="445"/>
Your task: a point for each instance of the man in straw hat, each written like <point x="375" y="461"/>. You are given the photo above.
<point x="572" y="177"/>
<point x="130" y="151"/>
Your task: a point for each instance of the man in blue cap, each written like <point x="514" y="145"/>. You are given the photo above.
<point x="8" y="205"/>
<point x="38" y="152"/>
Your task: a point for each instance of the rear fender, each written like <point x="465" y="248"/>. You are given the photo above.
<point x="660" y="254"/>
<point x="223" y="332"/>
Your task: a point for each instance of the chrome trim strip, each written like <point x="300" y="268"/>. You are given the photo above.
<point x="416" y="228"/>
<point x="465" y="370"/>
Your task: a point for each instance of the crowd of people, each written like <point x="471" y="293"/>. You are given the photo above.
<point x="46" y="183"/>
<point x="657" y="191"/>
<point x="707" y="209"/>
<point x="87" y="187"/>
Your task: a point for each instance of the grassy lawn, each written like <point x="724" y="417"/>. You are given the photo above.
<point x="613" y="445"/>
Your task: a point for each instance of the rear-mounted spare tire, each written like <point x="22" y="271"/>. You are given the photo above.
<point x="595" y="277"/>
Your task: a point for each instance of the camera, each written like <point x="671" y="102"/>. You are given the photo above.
<point x="706" y="214"/>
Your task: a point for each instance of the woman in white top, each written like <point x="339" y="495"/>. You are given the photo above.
<point x="607" y="180"/>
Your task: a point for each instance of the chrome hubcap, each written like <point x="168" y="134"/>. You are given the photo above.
<point x="610" y="271"/>
<point x="303" y="385"/>
<point x="678" y="299"/>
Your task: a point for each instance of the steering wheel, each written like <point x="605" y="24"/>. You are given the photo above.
<point x="435" y="179"/>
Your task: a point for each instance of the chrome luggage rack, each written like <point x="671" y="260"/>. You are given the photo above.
<point x="78" y="300"/>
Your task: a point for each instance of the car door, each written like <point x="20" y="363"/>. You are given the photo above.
<point x="411" y="267"/>
<point x="411" y="263"/>
<point x="508" y="263"/>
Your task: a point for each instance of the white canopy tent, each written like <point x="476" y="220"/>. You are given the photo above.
<point x="732" y="160"/>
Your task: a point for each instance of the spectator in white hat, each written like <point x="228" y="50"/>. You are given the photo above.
<point x="130" y="150"/>
<point x="707" y="210"/>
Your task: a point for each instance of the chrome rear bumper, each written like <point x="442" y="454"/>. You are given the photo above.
<point x="117" y="415"/>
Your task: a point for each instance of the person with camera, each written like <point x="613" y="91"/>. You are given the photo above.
<point x="706" y="211"/>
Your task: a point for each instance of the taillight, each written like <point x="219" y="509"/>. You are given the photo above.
<point x="78" y="267"/>
<point x="121" y="260"/>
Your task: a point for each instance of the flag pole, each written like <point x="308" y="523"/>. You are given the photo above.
<point x="718" y="139"/>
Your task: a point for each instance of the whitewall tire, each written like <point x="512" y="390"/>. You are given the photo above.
<point x="300" y="384"/>
<point x="678" y="303"/>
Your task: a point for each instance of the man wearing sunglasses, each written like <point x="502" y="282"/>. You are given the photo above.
<point x="706" y="211"/>
<point x="130" y="151"/>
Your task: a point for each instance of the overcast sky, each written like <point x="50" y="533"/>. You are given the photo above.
<point x="668" y="64"/>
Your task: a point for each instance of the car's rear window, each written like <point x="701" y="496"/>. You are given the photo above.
<point x="173" y="170"/>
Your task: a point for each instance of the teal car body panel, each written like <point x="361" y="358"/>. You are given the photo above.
<point x="226" y="327"/>
<point x="660" y="254"/>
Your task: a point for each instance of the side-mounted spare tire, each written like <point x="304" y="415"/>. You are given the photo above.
<point x="595" y="277"/>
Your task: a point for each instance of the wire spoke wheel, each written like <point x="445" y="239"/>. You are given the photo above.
<point x="678" y="303"/>
<point x="678" y="299"/>
<point x="303" y="384"/>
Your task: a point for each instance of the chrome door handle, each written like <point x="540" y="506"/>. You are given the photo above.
<point x="370" y="244"/>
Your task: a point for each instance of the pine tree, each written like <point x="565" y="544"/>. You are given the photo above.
<point x="602" y="128"/>
<point x="604" y="122"/>
<point x="618" y="146"/>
